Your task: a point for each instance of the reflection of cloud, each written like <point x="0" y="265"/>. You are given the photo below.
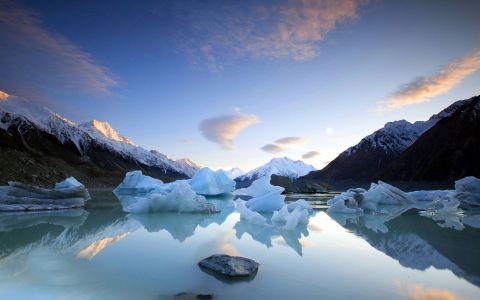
<point x="34" y="59"/>
<point x="420" y="292"/>
<point x="272" y="148"/>
<point x="310" y="154"/>
<point x="224" y="246"/>
<point x="96" y="247"/>
<point x="223" y="129"/>
<point x="291" y="29"/>
<point x="291" y="140"/>
<point x="423" y="88"/>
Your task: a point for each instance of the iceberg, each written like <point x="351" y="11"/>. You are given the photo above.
<point x="176" y="196"/>
<point x="66" y="194"/>
<point x="266" y="203"/>
<point x="249" y="215"/>
<point x="260" y="187"/>
<point x="300" y="203"/>
<point x="212" y="183"/>
<point x="136" y="182"/>
<point x="468" y="191"/>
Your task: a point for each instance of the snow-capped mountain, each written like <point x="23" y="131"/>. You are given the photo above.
<point x="281" y="166"/>
<point x="234" y="173"/>
<point x="373" y="154"/>
<point x="15" y="111"/>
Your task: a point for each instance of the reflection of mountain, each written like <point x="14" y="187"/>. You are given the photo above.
<point x="265" y="234"/>
<point x="418" y="243"/>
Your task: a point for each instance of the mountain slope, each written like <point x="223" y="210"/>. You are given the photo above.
<point x="447" y="151"/>
<point x="373" y="154"/>
<point x="281" y="166"/>
<point x="35" y="133"/>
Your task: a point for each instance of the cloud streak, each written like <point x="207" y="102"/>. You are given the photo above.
<point x="273" y="148"/>
<point x="291" y="140"/>
<point x="423" y="88"/>
<point x="310" y="154"/>
<point x="34" y="59"/>
<point x="223" y="129"/>
<point x="284" y="29"/>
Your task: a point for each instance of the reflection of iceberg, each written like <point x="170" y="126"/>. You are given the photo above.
<point x="212" y="183"/>
<point x="265" y="234"/>
<point x="181" y="226"/>
<point x="418" y="244"/>
<point x="66" y="194"/>
<point x="142" y="194"/>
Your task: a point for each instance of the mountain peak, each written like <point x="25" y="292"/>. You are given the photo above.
<point x="105" y="129"/>
<point x="282" y="166"/>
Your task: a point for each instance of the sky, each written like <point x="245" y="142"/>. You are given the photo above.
<point x="236" y="83"/>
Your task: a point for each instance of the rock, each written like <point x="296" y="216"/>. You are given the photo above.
<point x="229" y="266"/>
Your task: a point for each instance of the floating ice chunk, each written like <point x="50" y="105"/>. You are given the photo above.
<point x="290" y="219"/>
<point x="260" y="187"/>
<point x="266" y="203"/>
<point x="67" y="194"/>
<point x="212" y="183"/>
<point x="386" y="194"/>
<point x="177" y="196"/>
<point x="429" y="195"/>
<point x="249" y="215"/>
<point x="339" y="206"/>
<point x="136" y="182"/>
<point x="300" y="203"/>
<point x="468" y="191"/>
<point x="446" y="210"/>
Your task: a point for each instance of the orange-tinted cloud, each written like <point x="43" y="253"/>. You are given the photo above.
<point x="34" y="58"/>
<point x="288" y="29"/>
<point x="3" y="95"/>
<point x="223" y="129"/>
<point x="422" y="89"/>
<point x="291" y="140"/>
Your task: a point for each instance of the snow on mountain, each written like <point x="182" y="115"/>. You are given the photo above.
<point x="281" y="166"/>
<point x="234" y="173"/>
<point x="13" y="109"/>
<point x="397" y="136"/>
<point x="95" y="128"/>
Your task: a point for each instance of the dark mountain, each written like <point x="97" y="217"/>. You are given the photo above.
<point x="440" y="149"/>
<point x="447" y="151"/>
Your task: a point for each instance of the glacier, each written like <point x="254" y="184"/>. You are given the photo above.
<point x="212" y="183"/>
<point x="17" y="196"/>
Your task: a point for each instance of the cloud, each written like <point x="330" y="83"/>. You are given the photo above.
<point x="282" y="29"/>
<point x="223" y="129"/>
<point x="310" y="154"/>
<point x="423" y="88"/>
<point x="3" y="95"/>
<point x="292" y="140"/>
<point x="273" y="148"/>
<point x="35" y="60"/>
<point x="185" y="141"/>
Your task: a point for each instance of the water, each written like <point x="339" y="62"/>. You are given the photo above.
<point x="102" y="253"/>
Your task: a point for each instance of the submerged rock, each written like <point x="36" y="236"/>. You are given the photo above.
<point x="229" y="266"/>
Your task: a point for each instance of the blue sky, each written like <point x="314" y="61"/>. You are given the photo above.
<point x="216" y="81"/>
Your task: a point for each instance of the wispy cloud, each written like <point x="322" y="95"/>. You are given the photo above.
<point x="281" y="29"/>
<point x="310" y="154"/>
<point x="223" y="129"/>
<point x="185" y="141"/>
<point x="291" y="140"/>
<point x="273" y="148"/>
<point x="423" y="88"/>
<point x="3" y="95"/>
<point x="34" y="59"/>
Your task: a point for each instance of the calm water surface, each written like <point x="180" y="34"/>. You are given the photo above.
<point x="102" y="253"/>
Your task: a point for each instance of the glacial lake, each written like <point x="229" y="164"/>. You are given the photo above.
<point x="101" y="252"/>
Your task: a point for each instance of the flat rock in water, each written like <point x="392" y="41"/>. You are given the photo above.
<point x="229" y="266"/>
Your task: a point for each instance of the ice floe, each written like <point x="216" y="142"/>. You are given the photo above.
<point x="66" y="194"/>
<point x="135" y="181"/>
<point x="212" y="183"/>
